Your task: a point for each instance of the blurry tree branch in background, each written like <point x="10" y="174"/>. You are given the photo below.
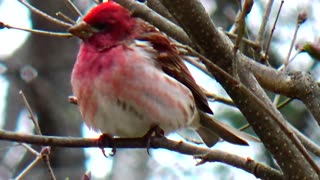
<point x="46" y="85"/>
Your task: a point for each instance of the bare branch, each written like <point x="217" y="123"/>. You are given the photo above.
<point x="44" y="15"/>
<point x="73" y="8"/>
<point x="265" y="58"/>
<point x="65" y="17"/>
<point x="155" y="142"/>
<point x="253" y="102"/>
<point x="155" y="19"/>
<point x="35" y="31"/>
<point x="264" y="22"/>
<point x="32" y="115"/>
<point x="298" y="24"/>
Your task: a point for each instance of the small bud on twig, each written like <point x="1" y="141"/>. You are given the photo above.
<point x="302" y="17"/>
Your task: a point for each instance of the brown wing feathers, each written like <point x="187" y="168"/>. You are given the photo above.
<point x="172" y="64"/>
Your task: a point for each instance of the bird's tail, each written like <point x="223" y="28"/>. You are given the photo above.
<point x="211" y="131"/>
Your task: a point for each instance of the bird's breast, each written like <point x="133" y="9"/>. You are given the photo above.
<point x="123" y="93"/>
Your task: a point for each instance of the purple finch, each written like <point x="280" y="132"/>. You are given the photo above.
<point x="129" y="77"/>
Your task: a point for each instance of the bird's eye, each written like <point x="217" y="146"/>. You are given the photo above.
<point x="101" y="27"/>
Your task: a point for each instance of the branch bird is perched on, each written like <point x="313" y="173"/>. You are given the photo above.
<point x="128" y="78"/>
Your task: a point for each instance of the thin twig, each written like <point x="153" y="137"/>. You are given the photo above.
<point x="246" y="126"/>
<point x="73" y="8"/>
<point x="264" y="23"/>
<point x="39" y="156"/>
<point x="293" y="57"/>
<point x="276" y="99"/>
<point x="240" y="22"/>
<point x="217" y="98"/>
<point x="241" y="30"/>
<point x="188" y="58"/>
<point x="65" y="17"/>
<point x="28" y="168"/>
<point x="249" y="163"/>
<point x="244" y="40"/>
<point x="45" y="152"/>
<point x="35" y="31"/>
<point x="286" y="62"/>
<point x="310" y="145"/>
<point x="44" y="15"/>
<point x="284" y="103"/>
<point x="272" y="31"/>
<point x="197" y="64"/>
<point x="30" y="149"/>
<point x="32" y="115"/>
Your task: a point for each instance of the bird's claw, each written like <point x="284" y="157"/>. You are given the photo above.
<point x="154" y="131"/>
<point x="106" y="139"/>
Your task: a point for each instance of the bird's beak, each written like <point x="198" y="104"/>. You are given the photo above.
<point x="82" y="30"/>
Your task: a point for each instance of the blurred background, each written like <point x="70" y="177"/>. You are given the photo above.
<point x="40" y="66"/>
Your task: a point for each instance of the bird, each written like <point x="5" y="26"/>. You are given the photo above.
<point x="129" y="77"/>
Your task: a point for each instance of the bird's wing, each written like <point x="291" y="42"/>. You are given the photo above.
<point x="172" y="64"/>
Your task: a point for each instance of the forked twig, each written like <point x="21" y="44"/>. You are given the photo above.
<point x="43" y="155"/>
<point x="300" y="20"/>
<point x="45" y="151"/>
<point x="44" y="15"/>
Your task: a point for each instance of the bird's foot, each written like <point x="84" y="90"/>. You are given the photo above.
<point x="107" y="139"/>
<point x="154" y="131"/>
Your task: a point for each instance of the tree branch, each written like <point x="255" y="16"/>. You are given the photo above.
<point x="158" y="21"/>
<point x="296" y="85"/>
<point x="216" y="47"/>
<point x="247" y="164"/>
